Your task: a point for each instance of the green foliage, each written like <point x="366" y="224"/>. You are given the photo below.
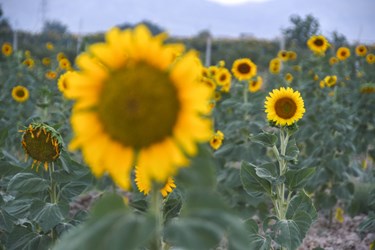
<point x="301" y="30"/>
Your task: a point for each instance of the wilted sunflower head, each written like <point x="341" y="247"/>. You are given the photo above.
<point x="42" y="143"/>
<point x="343" y="53"/>
<point x="361" y="50"/>
<point x="244" y="69"/>
<point x="20" y="93"/>
<point x="137" y="104"/>
<point x="284" y="106"/>
<point x="6" y="49"/>
<point x="318" y="44"/>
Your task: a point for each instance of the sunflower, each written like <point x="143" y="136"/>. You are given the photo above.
<point x="20" y="93"/>
<point x="275" y="66"/>
<point x="42" y="143"/>
<point x="221" y="64"/>
<point x="64" y="64"/>
<point x="50" y="74"/>
<point x="343" y="53"/>
<point x="318" y="44"/>
<point x="29" y="63"/>
<point x="223" y="77"/>
<point x="316" y="77"/>
<point x="333" y="60"/>
<point x="292" y="56"/>
<point x="330" y="81"/>
<point x="49" y="46"/>
<point x="7" y="49"/>
<point x="370" y="58"/>
<point x="46" y="61"/>
<point x="212" y="70"/>
<point x="255" y="84"/>
<point x="136" y="105"/>
<point x="288" y="77"/>
<point x="209" y="82"/>
<point x="361" y="50"/>
<point x="144" y="185"/>
<point x="60" y="56"/>
<point x="367" y="88"/>
<point x="283" y="55"/>
<point x="297" y="68"/>
<point x="284" y="106"/>
<point x="62" y="82"/>
<point x="217" y="96"/>
<point x="244" y="69"/>
<point x="322" y="84"/>
<point x="217" y="140"/>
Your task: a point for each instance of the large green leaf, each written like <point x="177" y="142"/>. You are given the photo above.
<point x="287" y="234"/>
<point x="292" y="151"/>
<point x="297" y="179"/>
<point x="301" y="202"/>
<point x="256" y="241"/>
<point x="47" y="215"/>
<point x="266" y="139"/>
<point x="23" y="237"/>
<point x="6" y="221"/>
<point x="268" y="171"/>
<point x="252" y="183"/>
<point x="28" y="183"/>
<point x="18" y="208"/>
<point x="303" y="221"/>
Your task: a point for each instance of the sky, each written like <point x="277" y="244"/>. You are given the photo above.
<point x="262" y="19"/>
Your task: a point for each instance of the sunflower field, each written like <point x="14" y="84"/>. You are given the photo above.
<point x="136" y="144"/>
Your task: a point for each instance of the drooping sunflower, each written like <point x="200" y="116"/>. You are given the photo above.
<point x="144" y="184"/>
<point x="255" y="84"/>
<point x="284" y="106"/>
<point x="343" y="53"/>
<point x="244" y="69"/>
<point x="283" y="55"/>
<point x="361" y="50"/>
<point x="20" y="93"/>
<point x="318" y="44"/>
<point x="370" y="58"/>
<point x="223" y="77"/>
<point x="42" y="143"/>
<point x="330" y="81"/>
<point x="136" y="104"/>
<point x="217" y="140"/>
<point x="6" y="49"/>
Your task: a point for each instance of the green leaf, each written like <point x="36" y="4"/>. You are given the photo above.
<point x="6" y="221"/>
<point x="251" y="226"/>
<point x="27" y="183"/>
<point x="259" y="242"/>
<point x="268" y="171"/>
<point x="292" y="151"/>
<point x="266" y="139"/>
<point x="47" y="215"/>
<point x="297" y="179"/>
<point x="110" y="227"/>
<point x="18" y="208"/>
<point x="303" y="221"/>
<point x="287" y="234"/>
<point x="301" y="202"/>
<point x="252" y="183"/>
<point x="23" y="238"/>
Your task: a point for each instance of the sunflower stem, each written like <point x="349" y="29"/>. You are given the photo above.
<point x="156" y="212"/>
<point x="53" y="197"/>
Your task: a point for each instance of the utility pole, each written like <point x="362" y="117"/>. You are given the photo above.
<point x="15" y="36"/>
<point x="43" y="11"/>
<point x="208" y="51"/>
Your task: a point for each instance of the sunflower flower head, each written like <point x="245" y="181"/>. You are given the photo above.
<point x="6" y="49"/>
<point x="217" y="140"/>
<point x="137" y="104"/>
<point x="370" y="58"/>
<point x="330" y="81"/>
<point x="223" y="77"/>
<point x="275" y="66"/>
<point x="255" y="84"/>
<point x="144" y="184"/>
<point x="343" y="53"/>
<point x="283" y="55"/>
<point x="333" y="60"/>
<point x="42" y="143"/>
<point x="288" y="78"/>
<point x="244" y="69"/>
<point x="20" y="93"/>
<point x="361" y="50"/>
<point x="51" y="75"/>
<point x="367" y="88"/>
<point x="292" y="55"/>
<point x="318" y="44"/>
<point x="29" y="63"/>
<point x="284" y="106"/>
<point x="62" y="82"/>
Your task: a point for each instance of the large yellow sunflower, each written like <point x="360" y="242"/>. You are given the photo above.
<point x="136" y="103"/>
<point x="342" y="53"/>
<point x="318" y="44"/>
<point x="20" y="93"/>
<point x="284" y="106"/>
<point x="244" y="69"/>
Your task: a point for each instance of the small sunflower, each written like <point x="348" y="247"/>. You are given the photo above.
<point x="20" y="93"/>
<point x="217" y="140"/>
<point x="223" y="77"/>
<point x="284" y="106"/>
<point x="226" y="87"/>
<point x="64" y="64"/>
<point x="49" y="46"/>
<point x="62" y="82"/>
<point x="361" y="50"/>
<point x="292" y="56"/>
<point x="318" y="44"/>
<point x="60" y="56"/>
<point x="339" y="215"/>
<point x="51" y="75"/>
<point x="333" y="60"/>
<point x="42" y="143"/>
<point x="144" y="185"/>
<point x="209" y="82"/>
<point x="217" y="96"/>
<point x="137" y="105"/>
<point x="343" y="53"/>
<point x="27" y="53"/>
<point x="297" y="68"/>
<point x="330" y="81"/>
<point x="275" y="66"/>
<point x="244" y="69"/>
<point x="288" y="77"/>
<point x="283" y="55"/>
<point x="367" y="88"/>
<point x="6" y="49"/>
<point x="255" y="84"/>
<point x="29" y="63"/>
<point x="212" y="70"/>
<point x="322" y="84"/>
<point x="316" y="77"/>
<point x="370" y="58"/>
<point x="46" y="61"/>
